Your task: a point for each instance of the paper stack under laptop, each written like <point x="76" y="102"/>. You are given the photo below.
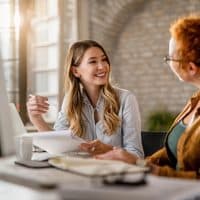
<point x="54" y="143"/>
<point x="57" y="142"/>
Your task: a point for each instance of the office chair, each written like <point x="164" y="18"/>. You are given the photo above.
<point x="152" y="141"/>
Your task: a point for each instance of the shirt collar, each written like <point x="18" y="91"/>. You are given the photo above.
<point x="195" y="98"/>
<point x="87" y="101"/>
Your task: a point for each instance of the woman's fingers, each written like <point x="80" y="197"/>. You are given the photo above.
<point x="83" y="146"/>
<point x="89" y="147"/>
<point x="37" y="105"/>
<point x="111" y="155"/>
<point x="95" y="147"/>
<point x="39" y="101"/>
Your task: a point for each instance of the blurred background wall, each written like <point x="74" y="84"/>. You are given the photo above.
<point x="35" y="35"/>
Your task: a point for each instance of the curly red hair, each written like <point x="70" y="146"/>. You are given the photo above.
<point x="186" y="32"/>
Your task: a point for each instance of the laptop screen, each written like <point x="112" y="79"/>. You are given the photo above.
<point x="6" y="126"/>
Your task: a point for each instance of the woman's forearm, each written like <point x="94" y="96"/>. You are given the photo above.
<point x="41" y="125"/>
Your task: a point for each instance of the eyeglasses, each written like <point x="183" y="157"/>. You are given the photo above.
<point x="167" y="59"/>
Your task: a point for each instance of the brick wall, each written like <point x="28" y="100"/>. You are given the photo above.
<point x="135" y="33"/>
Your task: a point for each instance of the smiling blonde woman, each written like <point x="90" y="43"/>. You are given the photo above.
<point x="93" y="109"/>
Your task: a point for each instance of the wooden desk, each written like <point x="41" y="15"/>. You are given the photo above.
<point x="54" y="184"/>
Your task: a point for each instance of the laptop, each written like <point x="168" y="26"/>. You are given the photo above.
<point x="20" y="130"/>
<point x="6" y="125"/>
<point x="18" y="126"/>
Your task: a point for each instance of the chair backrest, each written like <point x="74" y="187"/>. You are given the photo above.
<point x="152" y="141"/>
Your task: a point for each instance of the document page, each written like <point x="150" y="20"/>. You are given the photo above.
<point x="56" y="142"/>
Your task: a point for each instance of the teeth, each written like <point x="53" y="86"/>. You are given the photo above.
<point x="101" y="74"/>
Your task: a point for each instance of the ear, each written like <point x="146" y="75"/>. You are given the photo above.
<point x="192" y="69"/>
<point x="75" y="71"/>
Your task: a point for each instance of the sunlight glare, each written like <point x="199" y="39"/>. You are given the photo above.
<point x="17" y="22"/>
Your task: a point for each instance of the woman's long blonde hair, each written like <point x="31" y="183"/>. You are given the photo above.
<point x="73" y="90"/>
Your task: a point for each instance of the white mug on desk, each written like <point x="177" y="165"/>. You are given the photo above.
<point x="23" y="147"/>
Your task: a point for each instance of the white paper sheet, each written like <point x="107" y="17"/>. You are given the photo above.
<point x="57" y="142"/>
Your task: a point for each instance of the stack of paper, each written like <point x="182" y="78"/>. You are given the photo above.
<point x="94" y="167"/>
<point x="56" y="142"/>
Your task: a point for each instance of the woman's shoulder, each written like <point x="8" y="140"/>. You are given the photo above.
<point x="123" y="93"/>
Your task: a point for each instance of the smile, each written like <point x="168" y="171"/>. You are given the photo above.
<point x="101" y="74"/>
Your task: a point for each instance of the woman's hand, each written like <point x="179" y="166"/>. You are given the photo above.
<point x="95" y="147"/>
<point x="154" y="168"/>
<point x="36" y="106"/>
<point x="118" y="154"/>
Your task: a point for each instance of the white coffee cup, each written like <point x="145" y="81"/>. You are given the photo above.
<point x="23" y="147"/>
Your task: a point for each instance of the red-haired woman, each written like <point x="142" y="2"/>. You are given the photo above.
<point x="181" y="155"/>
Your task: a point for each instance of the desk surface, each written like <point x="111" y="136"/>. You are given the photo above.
<point x="42" y="178"/>
<point x="58" y="184"/>
<point x="10" y="191"/>
<point x="157" y="188"/>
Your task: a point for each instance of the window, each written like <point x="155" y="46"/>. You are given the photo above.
<point x="43" y="56"/>
<point x="34" y="49"/>
<point x="9" y="40"/>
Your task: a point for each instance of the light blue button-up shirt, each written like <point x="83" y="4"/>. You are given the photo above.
<point x="128" y="134"/>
